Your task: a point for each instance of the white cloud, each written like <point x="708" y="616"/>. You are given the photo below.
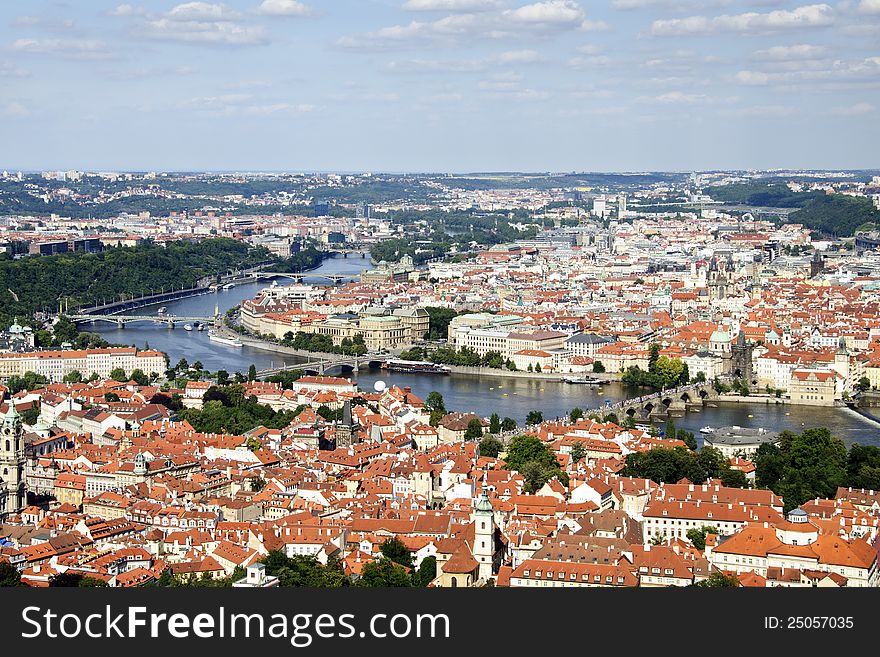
<point x="277" y="108"/>
<point x="679" y="98"/>
<point x="519" y="57"/>
<point x="860" y="71"/>
<point x="202" y="23"/>
<point x="594" y="26"/>
<point x="760" y="111"/>
<point x="678" y="5"/>
<point x="126" y="10"/>
<point x="791" y="53"/>
<point x="451" y="5"/>
<point x="819" y="15"/>
<point x="589" y="61"/>
<point x="73" y="48"/>
<point x="869" y="7"/>
<point x="195" y="32"/>
<point x="284" y="8"/>
<point x="859" y="109"/>
<point x="201" y="11"/>
<point x="540" y="18"/>
<point x="550" y="12"/>
<point x="756" y="78"/>
<point x="51" y="24"/>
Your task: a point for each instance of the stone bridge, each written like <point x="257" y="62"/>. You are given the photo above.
<point x="673" y="401"/>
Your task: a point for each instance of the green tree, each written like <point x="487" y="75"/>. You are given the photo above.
<point x="474" y="430"/>
<point x="490" y="447"/>
<point x="534" y="460"/>
<point x="73" y="376"/>
<point x="576" y="414"/>
<point x="697" y="536"/>
<point x="598" y="367"/>
<point x="92" y="583"/>
<point x="252" y="373"/>
<point x="719" y="580"/>
<point x="435" y="402"/>
<point x="9" y="575"/>
<point x="222" y="378"/>
<point x="426" y="573"/>
<point x="864" y="384"/>
<point x="394" y="549"/>
<point x="508" y="424"/>
<point x="118" y="374"/>
<point x="494" y="423"/>
<point x="578" y="452"/>
<point x="384" y="573"/>
<point x="534" y="417"/>
<point x="803" y="466"/>
<point x="138" y="376"/>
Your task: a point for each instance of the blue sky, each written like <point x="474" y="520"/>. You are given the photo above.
<point x="440" y="85"/>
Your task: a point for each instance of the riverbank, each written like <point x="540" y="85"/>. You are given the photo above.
<point x="266" y="345"/>
<point x="751" y="399"/>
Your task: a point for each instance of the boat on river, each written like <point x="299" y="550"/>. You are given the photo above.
<point x="224" y="340"/>
<point x="414" y="366"/>
<point x="187" y="327"/>
<point x="585" y="381"/>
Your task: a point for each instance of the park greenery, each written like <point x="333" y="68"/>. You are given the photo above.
<point x="33" y="284"/>
<point x="834" y="214"/>
<point x="535" y="461"/>
<point x="662" y="373"/>
<point x="438" y="233"/>
<point x="394" y="568"/>
<point x="226" y="409"/>
<point x="814" y="464"/>
<point x="324" y="343"/>
<point x="672" y="465"/>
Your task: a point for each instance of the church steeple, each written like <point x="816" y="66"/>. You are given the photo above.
<point x="484" y="532"/>
<point x="12" y="461"/>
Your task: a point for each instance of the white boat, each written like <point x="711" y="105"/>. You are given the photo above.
<point x="162" y="310"/>
<point x="187" y="327"/>
<point x="707" y="430"/>
<point x="228" y="286"/>
<point x="201" y="327"/>
<point x="219" y="339"/>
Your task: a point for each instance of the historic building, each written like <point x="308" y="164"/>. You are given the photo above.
<point x="12" y="462"/>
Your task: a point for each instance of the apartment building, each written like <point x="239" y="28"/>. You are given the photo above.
<point x="56" y="364"/>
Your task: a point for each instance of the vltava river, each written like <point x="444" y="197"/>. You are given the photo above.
<point x="482" y="394"/>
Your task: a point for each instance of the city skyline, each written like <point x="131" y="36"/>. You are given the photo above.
<point x="440" y="85"/>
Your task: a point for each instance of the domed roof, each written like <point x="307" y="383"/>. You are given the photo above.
<point x="719" y="336"/>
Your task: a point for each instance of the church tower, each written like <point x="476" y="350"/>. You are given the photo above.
<point x="841" y="362"/>
<point x="484" y="533"/>
<point x="12" y="460"/>
<point x="347" y="429"/>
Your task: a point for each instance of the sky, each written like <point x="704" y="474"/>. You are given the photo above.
<point x="439" y="85"/>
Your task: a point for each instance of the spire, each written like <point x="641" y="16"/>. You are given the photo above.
<point x="484" y="505"/>
<point x="12" y="417"/>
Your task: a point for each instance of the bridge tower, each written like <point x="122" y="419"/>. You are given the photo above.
<point x="741" y="358"/>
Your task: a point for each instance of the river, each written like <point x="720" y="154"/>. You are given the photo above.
<point x="482" y="394"/>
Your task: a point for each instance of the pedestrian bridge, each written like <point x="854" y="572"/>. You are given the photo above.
<point x="661" y="403"/>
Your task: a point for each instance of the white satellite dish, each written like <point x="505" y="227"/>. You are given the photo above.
<point x="379" y="386"/>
